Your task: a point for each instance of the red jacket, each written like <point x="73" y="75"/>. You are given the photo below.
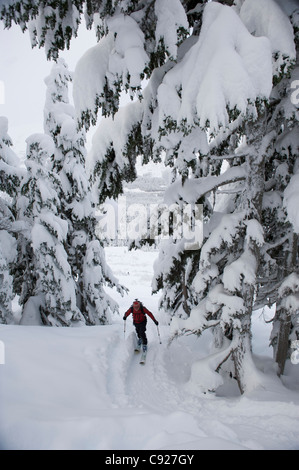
<point x="140" y="315"/>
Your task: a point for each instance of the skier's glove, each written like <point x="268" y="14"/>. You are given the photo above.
<point x="124" y="318"/>
<point x="157" y="323"/>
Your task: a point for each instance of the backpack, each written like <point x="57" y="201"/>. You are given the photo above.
<point x="141" y="309"/>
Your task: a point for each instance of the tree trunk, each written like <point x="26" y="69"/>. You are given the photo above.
<point x="242" y="358"/>
<point x="185" y="294"/>
<point x="242" y="351"/>
<point x="253" y="198"/>
<point x="282" y="347"/>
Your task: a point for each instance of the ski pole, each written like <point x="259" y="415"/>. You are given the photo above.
<point x="124" y="329"/>
<point x="159" y="334"/>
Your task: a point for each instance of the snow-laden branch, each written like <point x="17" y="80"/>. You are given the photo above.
<point x="237" y="71"/>
<point x="255" y="15"/>
<point x="193" y="189"/>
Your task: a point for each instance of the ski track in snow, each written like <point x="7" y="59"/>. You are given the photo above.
<point x="149" y="384"/>
<point x="168" y="417"/>
<point x="150" y="396"/>
<point x="85" y="389"/>
<point x="163" y="410"/>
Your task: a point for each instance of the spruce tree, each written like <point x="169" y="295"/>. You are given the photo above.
<point x="85" y="253"/>
<point x="207" y="106"/>
<point x="177" y="115"/>
<point x="53" y="283"/>
<point x="199" y="120"/>
<point x="51" y="24"/>
<point x="9" y="181"/>
<point x="235" y="262"/>
<point x="284" y="229"/>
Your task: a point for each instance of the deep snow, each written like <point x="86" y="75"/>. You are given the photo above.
<point x="83" y="388"/>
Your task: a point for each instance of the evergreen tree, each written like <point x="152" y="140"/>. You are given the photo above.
<point x="6" y="285"/>
<point x="207" y="105"/>
<point x="283" y="229"/>
<point x="177" y="115"/>
<point x="51" y="23"/>
<point x="76" y="201"/>
<point x="9" y="163"/>
<point x="9" y="180"/>
<point x="235" y="261"/>
<point x="171" y="279"/>
<point x="52" y="283"/>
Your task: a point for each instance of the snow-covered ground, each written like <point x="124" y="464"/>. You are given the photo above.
<point x="83" y="388"/>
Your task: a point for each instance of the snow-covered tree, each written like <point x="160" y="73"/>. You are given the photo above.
<point x="172" y="279"/>
<point x="9" y="162"/>
<point x="9" y="182"/>
<point x="51" y="23"/>
<point x="197" y="114"/>
<point x="234" y="259"/>
<point x="53" y="283"/>
<point x="210" y="68"/>
<point x="76" y="201"/>
<point x="98" y="305"/>
<point x="6" y="289"/>
<point x="281" y="201"/>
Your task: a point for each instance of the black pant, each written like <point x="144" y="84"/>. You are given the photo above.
<point x="140" y="330"/>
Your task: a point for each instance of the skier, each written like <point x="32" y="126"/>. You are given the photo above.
<point x="139" y="321"/>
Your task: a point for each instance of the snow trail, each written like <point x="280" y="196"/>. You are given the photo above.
<point x="83" y="388"/>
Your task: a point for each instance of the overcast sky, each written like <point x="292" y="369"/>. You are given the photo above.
<point x="22" y="72"/>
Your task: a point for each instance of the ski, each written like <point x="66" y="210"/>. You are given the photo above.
<point x="143" y="358"/>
